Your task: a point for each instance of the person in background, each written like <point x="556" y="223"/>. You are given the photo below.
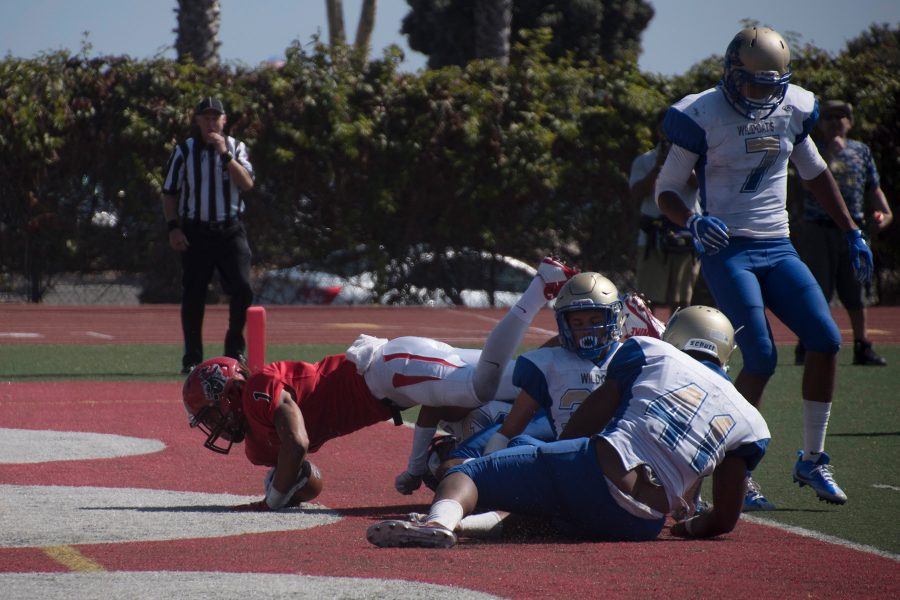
<point x="821" y="247"/>
<point x="667" y="266"/>
<point x="201" y="196"/>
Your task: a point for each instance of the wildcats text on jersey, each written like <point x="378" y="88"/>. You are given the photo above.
<point x="754" y="128"/>
<point x="593" y="378"/>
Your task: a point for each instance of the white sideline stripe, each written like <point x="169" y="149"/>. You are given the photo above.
<point x="102" y="336"/>
<point x="884" y="486"/>
<point x="531" y="329"/>
<point x="821" y="537"/>
<point x="17" y="334"/>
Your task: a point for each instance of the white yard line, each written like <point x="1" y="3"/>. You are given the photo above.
<point x="102" y="336"/>
<point x="821" y="537"/>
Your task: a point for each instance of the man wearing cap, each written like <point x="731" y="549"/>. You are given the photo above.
<point x="203" y="179"/>
<point x="821" y="245"/>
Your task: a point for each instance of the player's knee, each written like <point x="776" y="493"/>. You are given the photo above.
<point x="823" y="339"/>
<point x="760" y="360"/>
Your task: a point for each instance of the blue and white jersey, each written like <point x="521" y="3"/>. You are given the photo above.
<point x="742" y="165"/>
<point x="559" y="380"/>
<point x="682" y="429"/>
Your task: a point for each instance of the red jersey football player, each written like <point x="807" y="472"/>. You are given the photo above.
<point x="291" y="408"/>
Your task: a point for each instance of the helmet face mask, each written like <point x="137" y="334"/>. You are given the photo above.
<point x="218" y="428"/>
<point x="212" y="401"/>
<point x="701" y="329"/>
<point x="589" y="315"/>
<point x="757" y="72"/>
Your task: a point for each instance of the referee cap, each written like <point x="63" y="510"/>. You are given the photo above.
<point x="210" y="103"/>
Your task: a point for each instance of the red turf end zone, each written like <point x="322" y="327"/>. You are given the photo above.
<point x="754" y="560"/>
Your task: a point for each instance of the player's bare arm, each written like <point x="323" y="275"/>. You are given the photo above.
<point x="825" y="189"/>
<point x="294" y="443"/>
<point x="521" y="413"/>
<point x="594" y="413"/>
<point x="729" y="487"/>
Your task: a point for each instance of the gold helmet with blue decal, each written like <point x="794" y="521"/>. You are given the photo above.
<point x="701" y="329"/>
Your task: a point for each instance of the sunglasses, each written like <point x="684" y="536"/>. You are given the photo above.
<point x="834" y="117"/>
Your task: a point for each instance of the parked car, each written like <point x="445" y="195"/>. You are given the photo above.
<point x="464" y="278"/>
<point x="342" y="278"/>
<point x="452" y="277"/>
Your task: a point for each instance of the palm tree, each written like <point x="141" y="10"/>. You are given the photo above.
<point x="335" y="11"/>
<point x="197" y="34"/>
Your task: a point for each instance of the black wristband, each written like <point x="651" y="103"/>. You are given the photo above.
<point x="227" y="158"/>
<point x="172" y="224"/>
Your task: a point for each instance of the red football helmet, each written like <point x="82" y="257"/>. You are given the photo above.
<point x="213" y="401"/>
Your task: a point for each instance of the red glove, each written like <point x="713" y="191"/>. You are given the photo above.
<point x="259" y="506"/>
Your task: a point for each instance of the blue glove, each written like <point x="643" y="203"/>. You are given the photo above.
<point x="860" y="255"/>
<point x="710" y="234"/>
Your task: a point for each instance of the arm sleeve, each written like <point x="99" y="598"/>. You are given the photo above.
<point x="528" y="377"/>
<point x="807" y="159"/>
<point x="675" y="171"/>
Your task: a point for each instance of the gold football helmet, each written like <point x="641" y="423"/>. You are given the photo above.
<point x="758" y="56"/>
<point x="594" y="292"/>
<point x="701" y="329"/>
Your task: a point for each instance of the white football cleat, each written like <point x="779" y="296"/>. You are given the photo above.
<point x="404" y="534"/>
<point x="555" y="274"/>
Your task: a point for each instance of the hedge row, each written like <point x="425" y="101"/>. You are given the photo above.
<point x="519" y="160"/>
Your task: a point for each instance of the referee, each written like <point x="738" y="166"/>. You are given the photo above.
<point x="201" y="200"/>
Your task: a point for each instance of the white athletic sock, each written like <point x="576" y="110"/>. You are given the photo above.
<point x="447" y="513"/>
<point x="531" y="301"/>
<point x="481" y="525"/>
<point x="815" y="422"/>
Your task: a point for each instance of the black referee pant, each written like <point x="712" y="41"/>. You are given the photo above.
<point x="224" y="249"/>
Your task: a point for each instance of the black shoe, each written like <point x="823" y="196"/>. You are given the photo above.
<point x="864" y="355"/>
<point x="186" y="369"/>
<point x="799" y="354"/>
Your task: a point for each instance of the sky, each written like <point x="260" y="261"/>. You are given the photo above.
<point x="681" y="33"/>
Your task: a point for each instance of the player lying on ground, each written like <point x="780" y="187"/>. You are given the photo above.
<point x="291" y="408"/>
<point x="666" y="416"/>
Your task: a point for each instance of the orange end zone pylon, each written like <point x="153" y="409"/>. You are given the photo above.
<point x="256" y="338"/>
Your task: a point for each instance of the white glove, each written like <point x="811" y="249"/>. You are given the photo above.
<point x="406" y="483"/>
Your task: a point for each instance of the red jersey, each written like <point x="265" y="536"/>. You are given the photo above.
<point x="333" y="398"/>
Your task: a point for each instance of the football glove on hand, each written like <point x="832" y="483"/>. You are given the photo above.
<point x="406" y="483"/>
<point x="259" y="506"/>
<point x="860" y="255"/>
<point x="710" y="234"/>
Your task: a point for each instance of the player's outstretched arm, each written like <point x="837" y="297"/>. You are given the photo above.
<point x="523" y="410"/>
<point x="594" y="413"/>
<point x="729" y="486"/>
<point x="294" y="440"/>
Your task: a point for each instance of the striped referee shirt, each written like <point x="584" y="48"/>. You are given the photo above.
<point x="196" y="176"/>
